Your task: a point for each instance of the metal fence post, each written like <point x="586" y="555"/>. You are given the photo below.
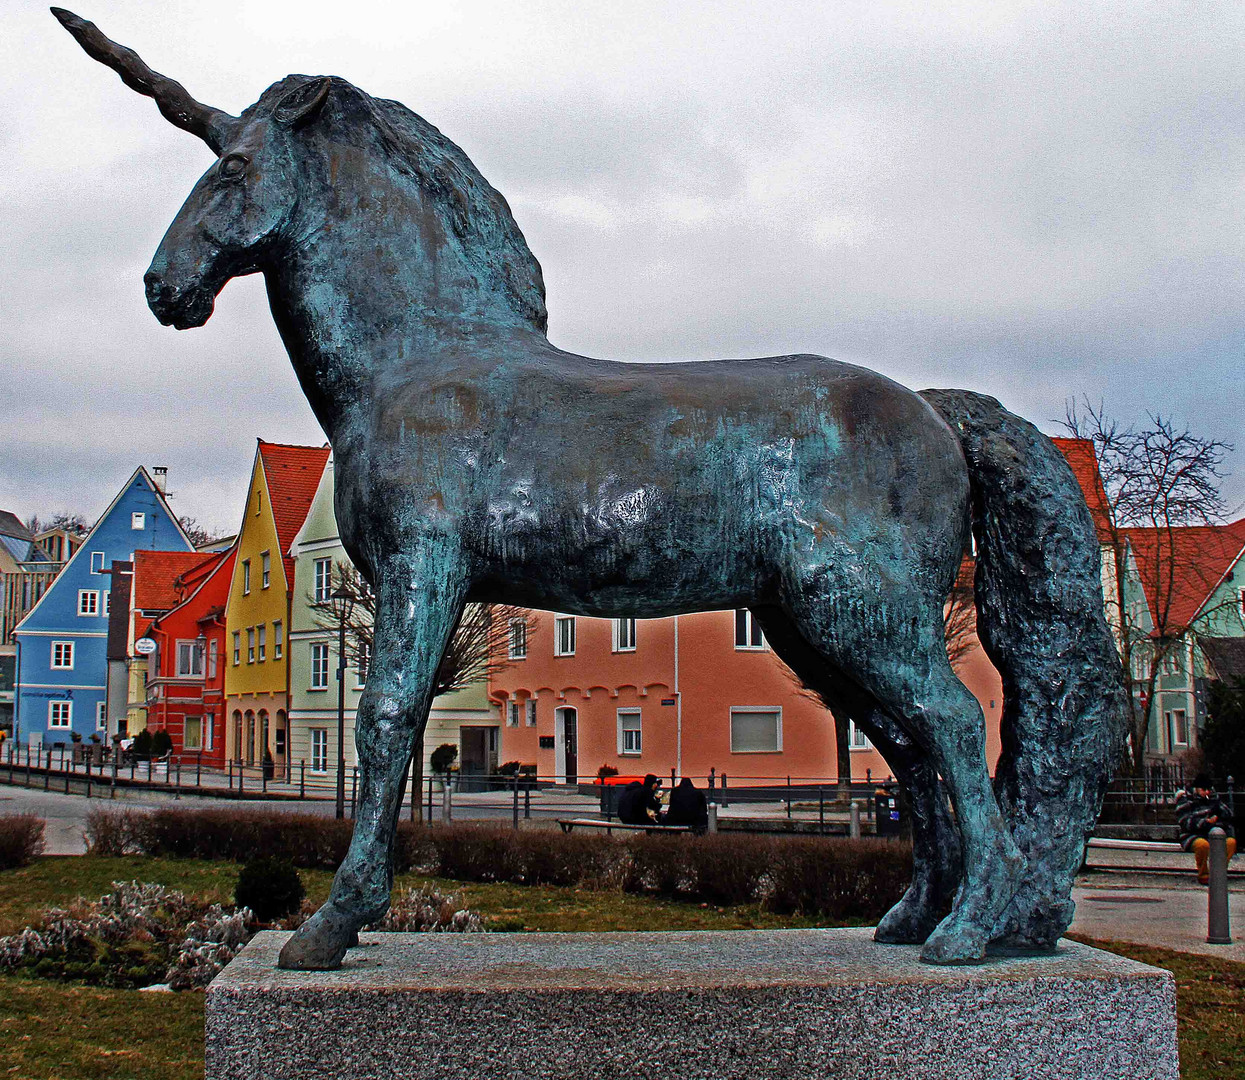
<point x="429" y="817"/>
<point x="1218" y="929"/>
<point x="516" y="799"/>
<point x="723" y="789"/>
<point x="354" y="788"/>
<point x="527" y="802"/>
<point x="116" y="752"/>
<point x="788" y="798"/>
<point x="241" y="773"/>
<point x="821" y="810"/>
<point x="47" y="773"/>
<point x="179" y="774"/>
<point x="302" y="778"/>
<point x="199" y="770"/>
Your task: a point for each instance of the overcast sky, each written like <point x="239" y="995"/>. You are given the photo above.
<point x="1036" y="200"/>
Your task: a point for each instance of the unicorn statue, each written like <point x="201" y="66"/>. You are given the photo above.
<point x="476" y="461"/>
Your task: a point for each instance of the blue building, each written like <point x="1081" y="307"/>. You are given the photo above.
<point x="62" y="644"/>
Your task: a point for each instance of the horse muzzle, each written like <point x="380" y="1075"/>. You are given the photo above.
<point x="182" y="308"/>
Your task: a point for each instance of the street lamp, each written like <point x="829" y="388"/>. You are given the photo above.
<point x="342" y="604"/>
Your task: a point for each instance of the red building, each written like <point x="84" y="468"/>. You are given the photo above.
<point x="186" y="672"/>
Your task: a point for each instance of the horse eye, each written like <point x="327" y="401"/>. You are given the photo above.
<point x="233" y="166"/>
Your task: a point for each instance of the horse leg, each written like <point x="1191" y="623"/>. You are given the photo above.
<point x="935" y="842"/>
<point x="899" y="656"/>
<point x="419" y="601"/>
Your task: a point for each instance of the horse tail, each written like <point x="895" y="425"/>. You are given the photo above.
<point x="1041" y="622"/>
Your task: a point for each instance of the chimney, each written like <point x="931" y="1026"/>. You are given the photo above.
<point x="160" y="477"/>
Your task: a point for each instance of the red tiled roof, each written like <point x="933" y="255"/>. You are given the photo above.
<point x="293" y="474"/>
<point x="157" y="576"/>
<point x="1080" y="455"/>
<point x="1181" y="567"/>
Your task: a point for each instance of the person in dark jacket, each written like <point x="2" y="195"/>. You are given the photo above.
<point x="688" y="807"/>
<point x="1199" y="810"/>
<point x="639" y="804"/>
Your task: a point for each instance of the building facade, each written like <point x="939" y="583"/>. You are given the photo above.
<point x="62" y="642"/>
<point x="283" y="483"/>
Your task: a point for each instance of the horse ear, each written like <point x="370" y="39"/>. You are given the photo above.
<point x="302" y="103"/>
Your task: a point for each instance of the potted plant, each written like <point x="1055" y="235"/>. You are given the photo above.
<point x="442" y="761"/>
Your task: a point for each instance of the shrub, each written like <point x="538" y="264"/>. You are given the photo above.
<point x="21" y="840"/>
<point x="604" y="771"/>
<point x="443" y="758"/>
<point x="270" y="887"/>
<point x="509" y="768"/>
<point x="161" y="743"/>
<point x="110" y="832"/>
<point x="428" y="911"/>
<point x="141" y="746"/>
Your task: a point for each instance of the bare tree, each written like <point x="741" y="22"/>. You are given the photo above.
<point x="1160" y="480"/>
<point x="71" y="522"/>
<point x="199" y="536"/>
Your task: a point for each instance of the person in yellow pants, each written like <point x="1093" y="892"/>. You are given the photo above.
<point x="1199" y="809"/>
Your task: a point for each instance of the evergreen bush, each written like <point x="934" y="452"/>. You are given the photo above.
<point x="270" y="887"/>
<point x="161" y="743"/>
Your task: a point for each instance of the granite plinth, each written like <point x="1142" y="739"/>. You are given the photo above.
<point x="733" y="1005"/>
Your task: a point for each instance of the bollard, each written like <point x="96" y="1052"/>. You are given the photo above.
<point x="1218" y="930"/>
<point x="723" y="799"/>
<point x="179" y="774"/>
<point x="854" y="827"/>
<point x="446" y="810"/>
<point x="713" y="817"/>
<point x="47" y="775"/>
<point x="199" y="770"/>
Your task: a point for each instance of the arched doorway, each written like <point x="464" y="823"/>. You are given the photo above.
<point x="249" y="756"/>
<point x="237" y="735"/>
<point x="280" y="749"/>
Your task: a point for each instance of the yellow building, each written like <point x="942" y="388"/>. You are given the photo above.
<point x="257" y="616"/>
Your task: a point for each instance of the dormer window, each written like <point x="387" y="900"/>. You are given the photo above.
<point x="138" y="521"/>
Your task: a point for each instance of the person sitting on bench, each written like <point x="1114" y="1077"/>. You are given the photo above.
<point x="638" y="804"/>
<point x="1199" y="810"/>
<point x="688" y="807"/>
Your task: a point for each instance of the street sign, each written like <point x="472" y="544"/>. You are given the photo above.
<point x="144" y="646"/>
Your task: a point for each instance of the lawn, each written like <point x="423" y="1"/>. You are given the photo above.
<point x="49" y="1030"/>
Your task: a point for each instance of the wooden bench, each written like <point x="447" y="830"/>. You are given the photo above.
<point x="569" y="824"/>
<point x="1135" y="845"/>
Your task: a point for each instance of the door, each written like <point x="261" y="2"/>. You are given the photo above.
<point x="570" y="742"/>
<point x="473" y="766"/>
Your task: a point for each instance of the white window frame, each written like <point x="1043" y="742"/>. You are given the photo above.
<point x="564" y="635"/>
<point x="62" y="656"/>
<point x="138" y="520"/>
<point x="319" y="665"/>
<point x="512" y="713"/>
<point x="857" y="739"/>
<point x="319" y="741"/>
<point x="630" y="733"/>
<point x="518" y="640"/>
<point x="250" y="644"/>
<point x="322" y="582"/>
<point x="88" y="602"/>
<point x="237" y="647"/>
<point x="246" y="577"/>
<point x="624" y="635"/>
<point x="262" y="641"/>
<point x="362" y="662"/>
<point x="278" y="640"/>
<point x="753" y="637"/>
<point x="1170" y="716"/>
<point x="265" y="569"/>
<point x="106" y="603"/>
<point x="529" y="712"/>
<point x="775" y="709"/>
<point x="60" y="714"/>
<point x="189" y="647"/>
<point x="209" y="730"/>
<point x="101" y="716"/>
<point x="97" y="562"/>
<point x="213" y="658"/>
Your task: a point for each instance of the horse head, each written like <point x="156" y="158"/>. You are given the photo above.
<point x="243" y="206"/>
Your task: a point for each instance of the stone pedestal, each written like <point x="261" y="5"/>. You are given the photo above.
<point x="732" y="1005"/>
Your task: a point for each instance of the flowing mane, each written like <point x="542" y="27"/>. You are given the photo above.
<point x="473" y="211"/>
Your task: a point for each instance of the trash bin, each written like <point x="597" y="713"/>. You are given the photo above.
<point x="609" y="799"/>
<point x="887" y="815"/>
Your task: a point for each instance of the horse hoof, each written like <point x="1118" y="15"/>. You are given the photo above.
<point x="907" y="923"/>
<point x="320" y="943"/>
<point x="954" y="947"/>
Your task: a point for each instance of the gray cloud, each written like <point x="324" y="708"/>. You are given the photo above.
<point x="1038" y="201"/>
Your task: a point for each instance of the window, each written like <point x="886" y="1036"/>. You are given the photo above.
<point x="624" y="635"/>
<point x="747" y="630"/>
<point x="209" y="730"/>
<point x="531" y="712"/>
<point x="250" y="644"/>
<point x="756" y="731"/>
<point x="107" y="599"/>
<point x="246" y="576"/>
<point x="101" y="716"/>
<point x="88" y="601"/>
<point x="189" y="658"/>
<point x="263" y="642"/>
<point x="319" y="667"/>
<point x="212" y="658"/>
<point x="97" y="562"/>
<point x="856" y="739"/>
<point x="237" y="647"/>
<point x="138" y="521"/>
<point x="324" y="581"/>
<point x="278" y="640"/>
<point x="60" y="714"/>
<point x="259" y="501"/>
<point x="564" y="635"/>
<point x="512" y="713"/>
<point x="192" y="734"/>
<point x="319" y="749"/>
<point x="1170" y="664"/>
<point x="1177" y="727"/>
<point x="265" y="570"/>
<point x="629" y="735"/>
<point x="62" y="655"/>
<point x="363" y="661"/>
<point x="518" y="639"/>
